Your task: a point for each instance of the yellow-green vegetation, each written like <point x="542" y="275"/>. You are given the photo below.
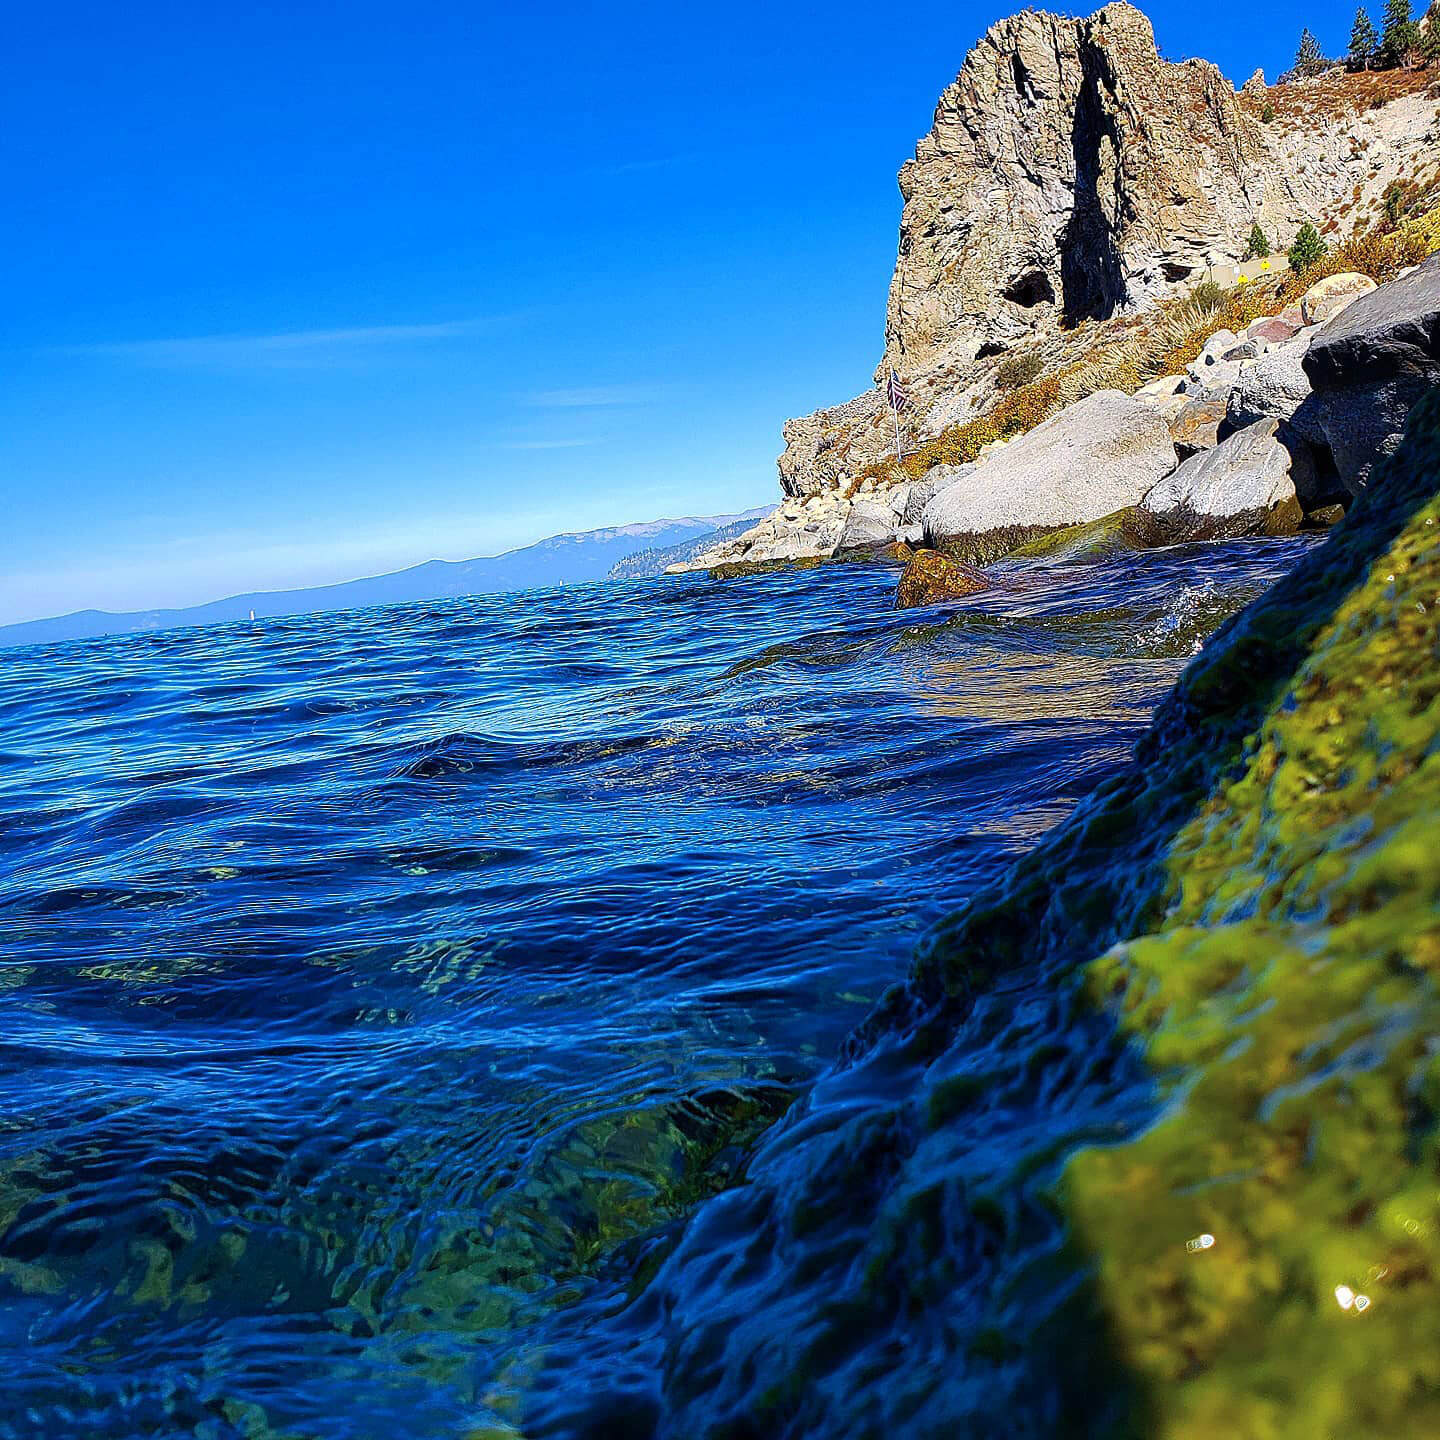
<point x="1290" y="996"/>
<point x="1018" y="370"/>
<point x="1257" y="903"/>
<point x="1015" y="413"/>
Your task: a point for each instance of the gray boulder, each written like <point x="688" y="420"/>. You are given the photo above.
<point x="1100" y="455"/>
<point x="924" y="490"/>
<point x="1241" y="487"/>
<point x="1370" y="364"/>
<point x="1275" y="387"/>
<point x="1219" y="376"/>
<point x="869" y="524"/>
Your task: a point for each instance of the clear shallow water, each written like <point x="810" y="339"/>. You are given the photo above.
<point x="386" y="991"/>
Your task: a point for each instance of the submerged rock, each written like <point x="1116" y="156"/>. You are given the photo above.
<point x="1370" y="364"/>
<point x="1100" y="455"/>
<point x="1241" y="487"/>
<point x="930" y="577"/>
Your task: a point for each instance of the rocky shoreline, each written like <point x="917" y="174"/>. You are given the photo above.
<point x="1267" y="431"/>
<point x="1060" y="362"/>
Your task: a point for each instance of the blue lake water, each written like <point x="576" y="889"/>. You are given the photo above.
<point x="385" y="992"/>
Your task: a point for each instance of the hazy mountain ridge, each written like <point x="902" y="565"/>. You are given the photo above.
<point x="567" y="559"/>
<point x="649" y="563"/>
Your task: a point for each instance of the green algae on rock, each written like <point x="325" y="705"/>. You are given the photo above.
<point x="929" y="578"/>
<point x="1266" y="887"/>
<point x="1290" y="994"/>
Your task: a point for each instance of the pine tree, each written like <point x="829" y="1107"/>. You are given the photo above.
<point x="1310" y="59"/>
<point x="1307" y="249"/>
<point x="1258" y="247"/>
<point x="1364" y="41"/>
<point x="1430" y="37"/>
<point x="1401" y="37"/>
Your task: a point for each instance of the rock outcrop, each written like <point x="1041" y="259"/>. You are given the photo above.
<point x="1072" y="178"/>
<point x="1071" y="175"/>
<point x="1299" y="413"/>
<point x="1371" y="364"/>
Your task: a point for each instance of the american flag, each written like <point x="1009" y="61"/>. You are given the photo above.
<point x="896" y="393"/>
<point x="899" y="398"/>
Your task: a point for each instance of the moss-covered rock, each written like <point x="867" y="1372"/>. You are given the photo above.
<point x="733" y="569"/>
<point x="1261" y="896"/>
<point x="1289" y="996"/>
<point x="930" y="577"/>
<point x="1098" y="540"/>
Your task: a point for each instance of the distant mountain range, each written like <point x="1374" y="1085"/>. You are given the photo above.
<point x="648" y="563"/>
<point x="560" y="560"/>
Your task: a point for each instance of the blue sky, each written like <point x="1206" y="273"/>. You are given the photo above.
<point x="297" y="292"/>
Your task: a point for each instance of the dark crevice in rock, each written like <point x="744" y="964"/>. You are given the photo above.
<point x="1090" y="270"/>
<point x="1024" y="86"/>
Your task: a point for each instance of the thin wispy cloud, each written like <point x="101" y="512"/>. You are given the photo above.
<point x="640" y="167"/>
<point x="586" y="397"/>
<point x="295" y="348"/>
<point x="545" y="444"/>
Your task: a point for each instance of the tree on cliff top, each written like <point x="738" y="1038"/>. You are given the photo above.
<point x="1402" y="35"/>
<point x="1310" y="59"/>
<point x="1364" y="41"/>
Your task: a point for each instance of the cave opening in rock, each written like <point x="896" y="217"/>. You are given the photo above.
<point x="1031" y="289"/>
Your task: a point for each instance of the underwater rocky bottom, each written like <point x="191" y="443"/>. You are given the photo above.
<point x="1147" y="1143"/>
<point x="425" y="1021"/>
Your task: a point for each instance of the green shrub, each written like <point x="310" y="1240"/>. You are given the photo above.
<point x="1018" y="370"/>
<point x="1267" y="113"/>
<point x="1207" y="295"/>
<point x="1257" y="247"/>
<point x="1307" y="249"/>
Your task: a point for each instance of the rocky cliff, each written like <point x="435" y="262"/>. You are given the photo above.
<point x="1073" y="176"/>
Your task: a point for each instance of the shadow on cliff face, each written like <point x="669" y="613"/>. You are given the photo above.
<point x="913" y="1250"/>
<point x="1090" y="272"/>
